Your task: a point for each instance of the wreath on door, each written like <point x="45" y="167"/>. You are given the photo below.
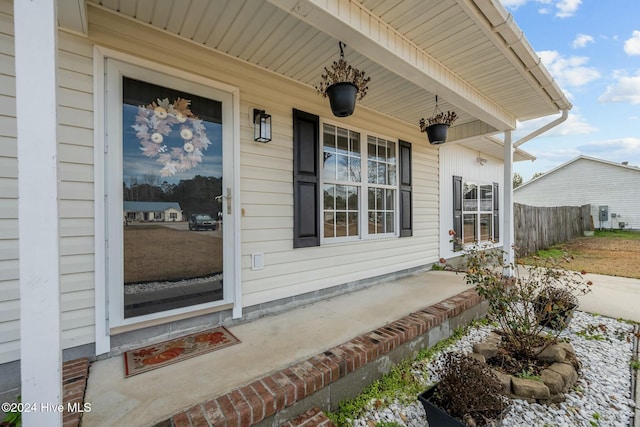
<point x="156" y="122"/>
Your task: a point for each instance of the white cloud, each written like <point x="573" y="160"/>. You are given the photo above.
<point x="625" y="89"/>
<point x="614" y="150"/>
<point x="632" y="45"/>
<point x="582" y="40"/>
<point x="567" y="8"/>
<point x="568" y="71"/>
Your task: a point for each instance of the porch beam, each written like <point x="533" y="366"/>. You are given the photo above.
<point x="508" y="231"/>
<point x="350" y="22"/>
<point x="35" y="41"/>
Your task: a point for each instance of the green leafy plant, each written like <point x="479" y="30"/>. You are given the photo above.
<point x="388" y="424"/>
<point x="528" y="375"/>
<point x="635" y="364"/>
<point x="14" y="419"/>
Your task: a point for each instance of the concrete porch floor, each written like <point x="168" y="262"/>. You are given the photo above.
<point x="274" y="342"/>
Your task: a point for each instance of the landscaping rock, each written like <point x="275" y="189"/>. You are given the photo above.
<point x="553" y="353"/>
<point x="480" y="358"/>
<point x="486" y="348"/>
<point x="568" y="373"/>
<point x="529" y="388"/>
<point x="553" y="380"/>
<point x="505" y="379"/>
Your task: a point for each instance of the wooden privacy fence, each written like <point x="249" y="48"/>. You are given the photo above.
<point x="541" y="227"/>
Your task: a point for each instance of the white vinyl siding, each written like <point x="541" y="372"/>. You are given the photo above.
<point x="9" y="284"/>
<point x="588" y="181"/>
<point x="459" y="161"/>
<point x="266" y="198"/>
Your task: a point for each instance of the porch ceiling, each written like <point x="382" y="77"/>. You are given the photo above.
<point x="466" y="51"/>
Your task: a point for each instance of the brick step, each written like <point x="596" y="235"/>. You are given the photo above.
<point x="312" y="418"/>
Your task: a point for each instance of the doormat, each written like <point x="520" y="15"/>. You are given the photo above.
<point x="162" y="354"/>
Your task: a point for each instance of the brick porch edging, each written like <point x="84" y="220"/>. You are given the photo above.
<point x="259" y="402"/>
<point x="74" y="384"/>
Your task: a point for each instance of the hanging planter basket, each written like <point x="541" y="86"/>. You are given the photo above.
<point x="437" y="126"/>
<point x="342" y="98"/>
<point x="437" y="133"/>
<point x="343" y="85"/>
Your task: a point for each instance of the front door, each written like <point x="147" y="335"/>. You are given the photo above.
<point x="169" y="178"/>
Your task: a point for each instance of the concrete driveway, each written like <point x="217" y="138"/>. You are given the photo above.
<point x="617" y="297"/>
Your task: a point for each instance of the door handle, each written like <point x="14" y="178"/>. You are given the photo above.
<point x="227" y="198"/>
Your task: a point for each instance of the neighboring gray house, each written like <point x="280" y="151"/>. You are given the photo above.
<point x="152" y="211"/>
<point x="612" y="189"/>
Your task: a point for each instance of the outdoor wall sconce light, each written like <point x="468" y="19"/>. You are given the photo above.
<point x="261" y="126"/>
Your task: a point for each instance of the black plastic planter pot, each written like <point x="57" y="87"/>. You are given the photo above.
<point x="437" y="133"/>
<point x="436" y="416"/>
<point x="342" y="97"/>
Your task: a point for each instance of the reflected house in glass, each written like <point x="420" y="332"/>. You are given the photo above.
<point x="152" y="211"/>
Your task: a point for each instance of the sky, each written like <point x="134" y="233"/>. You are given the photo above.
<point x="592" y="49"/>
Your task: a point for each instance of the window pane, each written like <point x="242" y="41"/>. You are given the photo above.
<point x="354" y="142"/>
<point x="372" y="223"/>
<point x="372" y="199"/>
<point x="353" y="224"/>
<point x="329" y="224"/>
<point x="329" y="138"/>
<point x="329" y="168"/>
<point x="389" y="222"/>
<point x="391" y="170"/>
<point x="342" y="168"/>
<point x="341" y="224"/>
<point x="379" y="198"/>
<point x="354" y="169"/>
<point x="343" y="141"/>
<point x="469" y="228"/>
<point x="485" y="227"/>
<point x="329" y="198"/>
<point x="382" y="173"/>
<point x="486" y="194"/>
<point x="341" y="197"/>
<point x="391" y="152"/>
<point x="371" y="150"/>
<point x="390" y="205"/>
<point x="470" y="197"/>
<point x="353" y="199"/>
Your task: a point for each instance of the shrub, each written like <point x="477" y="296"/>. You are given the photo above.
<point x="521" y="297"/>
<point x="469" y="390"/>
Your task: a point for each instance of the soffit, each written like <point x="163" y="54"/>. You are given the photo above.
<point x="282" y="41"/>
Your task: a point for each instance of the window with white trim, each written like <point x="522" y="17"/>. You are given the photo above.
<point x="356" y="204"/>
<point x="478" y="212"/>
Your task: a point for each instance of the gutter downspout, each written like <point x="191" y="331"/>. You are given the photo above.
<point x="556" y="122"/>
<point x="508" y="239"/>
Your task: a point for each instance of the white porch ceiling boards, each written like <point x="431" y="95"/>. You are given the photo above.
<point x="412" y="49"/>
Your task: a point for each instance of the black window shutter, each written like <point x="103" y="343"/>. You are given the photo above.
<point x="406" y="206"/>
<point x="496" y="213"/>
<point x="306" y="184"/>
<point x="457" y="211"/>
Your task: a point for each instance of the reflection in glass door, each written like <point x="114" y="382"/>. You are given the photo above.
<point x="172" y="212"/>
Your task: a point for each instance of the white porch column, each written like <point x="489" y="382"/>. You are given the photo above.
<point x="40" y="343"/>
<point x="508" y="237"/>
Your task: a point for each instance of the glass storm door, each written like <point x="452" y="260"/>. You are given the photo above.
<point x="173" y="196"/>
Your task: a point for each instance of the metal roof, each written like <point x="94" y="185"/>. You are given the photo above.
<point x="468" y="52"/>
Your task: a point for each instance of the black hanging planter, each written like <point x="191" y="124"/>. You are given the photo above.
<point x="437" y="126"/>
<point x="437" y="133"/>
<point x="342" y="98"/>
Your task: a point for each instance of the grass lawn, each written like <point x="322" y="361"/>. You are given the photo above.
<point x="157" y="253"/>
<point x="614" y="253"/>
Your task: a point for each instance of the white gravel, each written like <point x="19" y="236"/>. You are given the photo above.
<point x="137" y="288"/>
<point x="601" y="398"/>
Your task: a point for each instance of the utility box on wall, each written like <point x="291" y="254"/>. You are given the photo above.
<point x="604" y="213"/>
